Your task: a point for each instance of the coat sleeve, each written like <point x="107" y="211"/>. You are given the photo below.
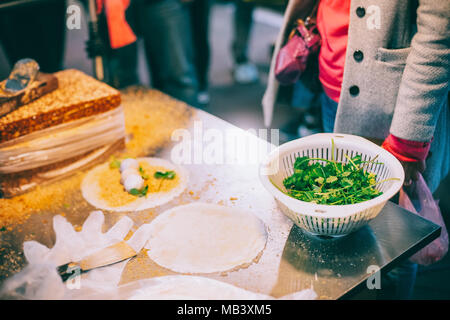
<point x="425" y="81"/>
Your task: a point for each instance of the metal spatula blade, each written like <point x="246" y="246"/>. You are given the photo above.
<point x="23" y="73"/>
<point x="107" y="256"/>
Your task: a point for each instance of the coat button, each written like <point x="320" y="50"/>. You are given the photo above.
<point x="358" y="55"/>
<point x="354" y="90"/>
<point x="360" y="12"/>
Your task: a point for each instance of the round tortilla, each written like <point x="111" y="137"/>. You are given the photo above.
<point x="205" y="238"/>
<point x="91" y="190"/>
<point x="182" y="287"/>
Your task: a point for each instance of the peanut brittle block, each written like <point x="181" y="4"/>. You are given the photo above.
<point x="78" y="96"/>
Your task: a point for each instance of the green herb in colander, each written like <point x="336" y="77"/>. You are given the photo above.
<point x="329" y="182"/>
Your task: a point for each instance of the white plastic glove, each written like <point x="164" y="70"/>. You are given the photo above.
<point x="40" y="280"/>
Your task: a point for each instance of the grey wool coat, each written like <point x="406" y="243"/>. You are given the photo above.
<point x="403" y="77"/>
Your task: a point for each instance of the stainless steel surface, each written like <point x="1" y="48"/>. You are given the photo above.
<point x="337" y="266"/>
<point x="291" y="260"/>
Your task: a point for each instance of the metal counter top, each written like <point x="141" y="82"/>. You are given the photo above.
<point x="292" y="259"/>
<point x="339" y="267"/>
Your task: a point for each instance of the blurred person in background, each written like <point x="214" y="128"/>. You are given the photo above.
<point x="384" y="70"/>
<point x="199" y="11"/>
<point x="164" y="26"/>
<point x="35" y="31"/>
<point x="306" y="116"/>
<point x="166" y="30"/>
<point x="116" y="41"/>
<point x="244" y="71"/>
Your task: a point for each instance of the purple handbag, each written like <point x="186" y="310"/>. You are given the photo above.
<point x="292" y="58"/>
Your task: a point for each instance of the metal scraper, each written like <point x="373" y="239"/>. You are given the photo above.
<point x="24" y="84"/>
<point x="107" y="256"/>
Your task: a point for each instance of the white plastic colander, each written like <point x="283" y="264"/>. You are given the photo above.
<point x="331" y="220"/>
